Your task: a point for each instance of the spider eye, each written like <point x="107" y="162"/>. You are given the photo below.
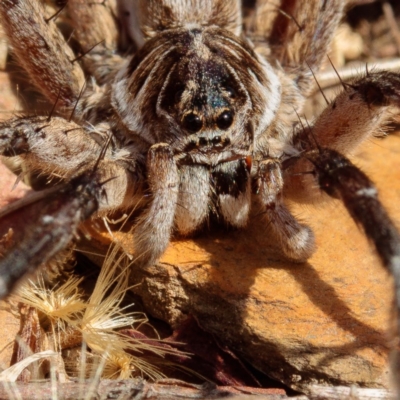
<point x="192" y="122"/>
<point x="230" y="91"/>
<point x="224" y="121"/>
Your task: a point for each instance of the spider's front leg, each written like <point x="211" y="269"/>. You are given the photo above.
<point x="297" y="240"/>
<point x="51" y="220"/>
<point x="152" y="235"/>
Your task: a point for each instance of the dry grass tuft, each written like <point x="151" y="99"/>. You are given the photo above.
<point x="71" y="320"/>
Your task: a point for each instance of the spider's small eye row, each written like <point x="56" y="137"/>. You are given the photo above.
<point x="193" y="123"/>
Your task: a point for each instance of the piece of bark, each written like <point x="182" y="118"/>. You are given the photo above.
<point x="30" y="341"/>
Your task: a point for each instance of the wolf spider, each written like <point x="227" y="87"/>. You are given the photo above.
<point x="199" y="114"/>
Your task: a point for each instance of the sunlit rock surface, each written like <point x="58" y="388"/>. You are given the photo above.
<point x="324" y="321"/>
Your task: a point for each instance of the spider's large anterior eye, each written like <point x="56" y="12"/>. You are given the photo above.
<point x="224" y="121"/>
<point x="192" y="122"/>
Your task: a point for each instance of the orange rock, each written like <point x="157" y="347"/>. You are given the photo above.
<point x="324" y="321"/>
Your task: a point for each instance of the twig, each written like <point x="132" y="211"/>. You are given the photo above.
<point x="329" y="78"/>
<point x="319" y="392"/>
<point x="137" y="389"/>
<point x="391" y="20"/>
